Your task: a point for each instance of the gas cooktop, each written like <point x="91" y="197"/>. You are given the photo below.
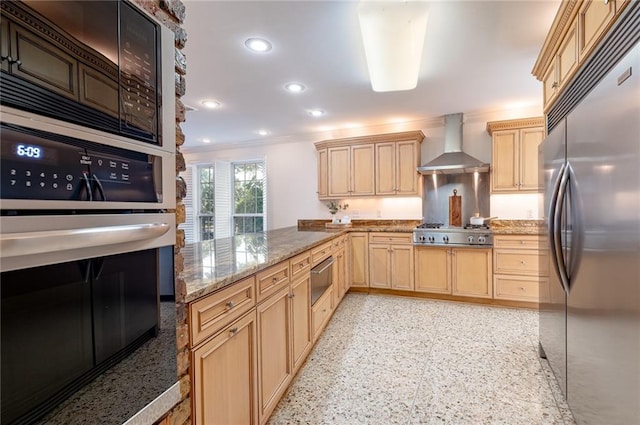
<point x="437" y="234"/>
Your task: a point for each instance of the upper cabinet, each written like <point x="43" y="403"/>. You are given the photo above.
<point x="577" y="28"/>
<point x="514" y="154"/>
<point x="380" y="165"/>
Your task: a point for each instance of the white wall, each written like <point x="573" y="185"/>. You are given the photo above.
<point x="292" y="172"/>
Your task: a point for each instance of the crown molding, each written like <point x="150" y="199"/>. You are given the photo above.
<point x="515" y="124"/>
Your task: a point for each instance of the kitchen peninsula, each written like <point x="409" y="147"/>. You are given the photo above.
<point x="251" y="321"/>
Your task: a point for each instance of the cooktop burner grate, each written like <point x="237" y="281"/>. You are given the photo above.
<point x="477" y="226"/>
<point x="430" y="225"/>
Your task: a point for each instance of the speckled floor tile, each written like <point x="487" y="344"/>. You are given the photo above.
<point x="394" y="360"/>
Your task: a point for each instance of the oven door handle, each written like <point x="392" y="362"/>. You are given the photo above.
<point x="28" y="243"/>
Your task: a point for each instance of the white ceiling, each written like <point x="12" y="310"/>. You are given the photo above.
<point x="477" y="57"/>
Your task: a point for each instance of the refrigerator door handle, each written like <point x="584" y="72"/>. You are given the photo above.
<point x="554" y="230"/>
<point x="557" y="228"/>
<point x="577" y="227"/>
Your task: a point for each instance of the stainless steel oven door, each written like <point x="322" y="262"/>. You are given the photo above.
<point x="37" y="240"/>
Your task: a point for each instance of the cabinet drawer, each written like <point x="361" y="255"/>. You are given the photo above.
<point x="521" y="288"/>
<point x="321" y="311"/>
<point x="520" y="241"/>
<point x="390" y="238"/>
<point x="300" y="265"/>
<point x="338" y="243"/>
<point x="270" y="280"/>
<point x="521" y="262"/>
<point x="213" y="312"/>
<point x="320" y="252"/>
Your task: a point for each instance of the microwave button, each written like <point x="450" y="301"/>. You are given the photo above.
<point x="55" y="185"/>
<point x="69" y="186"/>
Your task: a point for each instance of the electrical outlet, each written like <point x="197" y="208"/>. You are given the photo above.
<point x="529" y="213"/>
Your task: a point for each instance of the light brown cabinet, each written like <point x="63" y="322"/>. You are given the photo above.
<point x="224" y="376"/>
<point x="275" y="365"/>
<point x="514" y="155"/>
<point x="379" y="165"/>
<point x="323" y="174"/>
<point x="301" y="330"/>
<point x="321" y="312"/>
<point x="521" y="268"/>
<point x="578" y="27"/>
<point x="396" y="164"/>
<point x="339" y="269"/>
<point x="351" y="171"/>
<point x="457" y="271"/>
<point x="358" y="273"/>
<point x="391" y="261"/>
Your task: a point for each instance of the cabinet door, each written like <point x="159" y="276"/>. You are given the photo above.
<point x="406" y="163"/>
<point x="44" y="64"/>
<point x="402" y="267"/>
<point x="385" y="169"/>
<point x="471" y="272"/>
<point x="593" y="19"/>
<point x="358" y="259"/>
<point x="567" y="57"/>
<point x="323" y="177"/>
<point x="362" y="170"/>
<point x="338" y="166"/>
<point x="550" y="84"/>
<point x="224" y="376"/>
<point x="432" y="270"/>
<point x="504" y="172"/>
<point x="339" y="277"/>
<point x="379" y="266"/>
<point x="530" y="139"/>
<point x="301" y="320"/>
<point x="274" y="351"/>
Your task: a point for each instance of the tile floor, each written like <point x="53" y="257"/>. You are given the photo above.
<point x="396" y="360"/>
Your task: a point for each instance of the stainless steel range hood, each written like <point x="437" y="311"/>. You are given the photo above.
<point x="453" y="160"/>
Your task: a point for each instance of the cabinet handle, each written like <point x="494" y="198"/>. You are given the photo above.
<point x="606" y="1"/>
<point x="275" y="279"/>
<point x="233" y="331"/>
<point x="11" y="60"/>
<point x="522" y="262"/>
<point x="523" y="242"/>
<point x="292" y="295"/>
<point x="555" y="83"/>
<point x="230" y="304"/>
<point x="301" y="265"/>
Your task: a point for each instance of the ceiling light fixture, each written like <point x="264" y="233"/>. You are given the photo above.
<point x="206" y="140"/>
<point x="263" y="132"/>
<point x="316" y="112"/>
<point x="259" y="45"/>
<point x="294" y="87"/>
<point x="211" y="104"/>
<point x="393" y="36"/>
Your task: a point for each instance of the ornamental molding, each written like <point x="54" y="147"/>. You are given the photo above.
<point x="515" y="124"/>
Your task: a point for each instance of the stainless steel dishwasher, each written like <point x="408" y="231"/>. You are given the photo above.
<point x="321" y="278"/>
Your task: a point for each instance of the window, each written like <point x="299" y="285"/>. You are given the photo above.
<point x="224" y="199"/>
<point x="206" y="210"/>
<point x="248" y="197"/>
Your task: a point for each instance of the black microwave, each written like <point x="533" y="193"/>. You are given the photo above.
<point x="61" y="61"/>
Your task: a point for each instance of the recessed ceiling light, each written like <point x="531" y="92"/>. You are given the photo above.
<point x="258" y="45"/>
<point x="211" y="104"/>
<point x="294" y="87"/>
<point x="316" y="112"/>
<point x="206" y="140"/>
<point x="263" y="132"/>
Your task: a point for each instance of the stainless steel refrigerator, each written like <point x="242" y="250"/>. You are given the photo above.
<point x="590" y="325"/>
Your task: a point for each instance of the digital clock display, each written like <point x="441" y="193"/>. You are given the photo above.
<point x="29" y="151"/>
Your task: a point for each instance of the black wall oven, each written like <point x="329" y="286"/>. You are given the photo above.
<point x="87" y="166"/>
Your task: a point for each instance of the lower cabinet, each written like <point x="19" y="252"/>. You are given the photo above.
<point x="321" y="312"/>
<point x="339" y="275"/>
<point x="457" y="271"/>
<point x="521" y="264"/>
<point x="225" y="376"/>
<point x="358" y="274"/>
<point x="301" y="330"/>
<point x="275" y="366"/>
<point x="391" y="261"/>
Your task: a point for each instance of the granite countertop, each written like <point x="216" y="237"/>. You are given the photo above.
<point x="211" y="265"/>
<point x="214" y="264"/>
<point x="519" y="227"/>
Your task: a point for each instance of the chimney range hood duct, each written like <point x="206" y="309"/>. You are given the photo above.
<point x="453" y="160"/>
